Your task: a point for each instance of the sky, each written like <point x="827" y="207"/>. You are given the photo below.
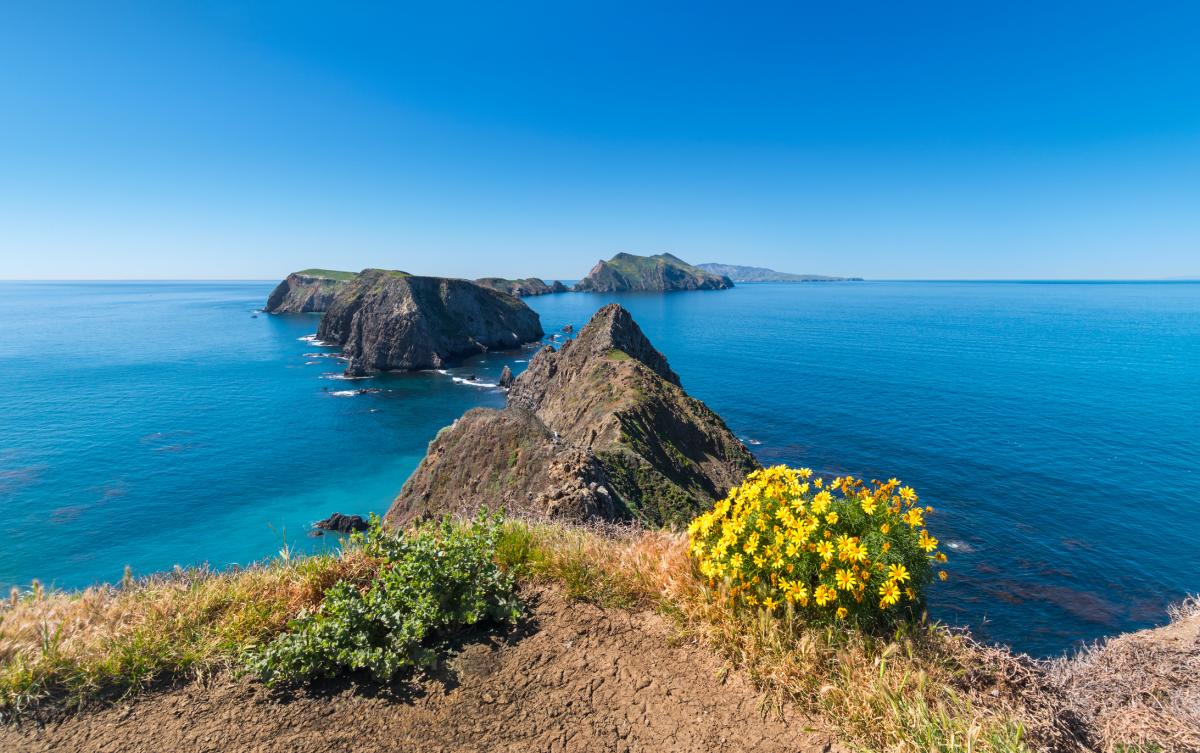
<point x="172" y="140"/>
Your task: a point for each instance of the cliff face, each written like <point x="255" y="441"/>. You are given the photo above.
<point x="309" y="291"/>
<point x="658" y="273"/>
<point x="387" y="321"/>
<point x="598" y="429"/>
<point x="522" y="288"/>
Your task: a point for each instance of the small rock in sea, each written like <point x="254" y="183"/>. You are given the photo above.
<point x="569" y="328"/>
<point x="506" y="377"/>
<point x="342" y="523"/>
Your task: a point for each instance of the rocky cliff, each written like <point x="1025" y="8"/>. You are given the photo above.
<point x="598" y="429"/>
<point x="307" y="291"/>
<point x="387" y="321"/>
<point x="658" y="273"/>
<point x="523" y="287"/>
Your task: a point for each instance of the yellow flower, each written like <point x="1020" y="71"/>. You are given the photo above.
<point x="832" y="517"/>
<point x="841" y="613"/>
<point x="898" y="573"/>
<point x="940" y="557"/>
<point x="825" y="549"/>
<point x="846" y="580"/>
<point x="913" y="517"/>
<point x="868" y="505"/>
<point x="889" y="593"/>
<point x="824" y="594"/>
<point x="942" y="575"/>
<point x="907" y="494"/>
<point x="927" y="542"/>
<point x="859" y="554"/>
<point x="820" y="503"/>
<point x="769" y="603"/>
<point x="885" y="528"/>
<point x="805" y="472"/>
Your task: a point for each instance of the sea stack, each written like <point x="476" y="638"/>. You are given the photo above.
<point x="600" y="428"/>
<point x="392" y="321"/>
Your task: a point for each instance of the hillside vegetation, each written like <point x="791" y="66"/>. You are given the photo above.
<point x="914" y="686"/>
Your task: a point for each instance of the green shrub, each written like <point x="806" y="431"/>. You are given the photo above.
<point x="431" y="583"/>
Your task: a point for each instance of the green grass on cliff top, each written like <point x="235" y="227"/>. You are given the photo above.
<point x="329" y="274"/>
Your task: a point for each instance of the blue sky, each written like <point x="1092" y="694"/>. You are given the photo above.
<point x="887" y="140"/>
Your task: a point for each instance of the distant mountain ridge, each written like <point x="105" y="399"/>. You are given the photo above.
<point x="739" y="273"/>
<point x="657" y="273"/>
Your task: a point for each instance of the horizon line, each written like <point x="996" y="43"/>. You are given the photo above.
<point x="1183" y="278"/>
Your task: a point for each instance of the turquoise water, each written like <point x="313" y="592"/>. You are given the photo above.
<point x="1055" y="427"/>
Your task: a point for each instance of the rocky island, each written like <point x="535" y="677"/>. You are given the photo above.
<point x="388" y="321"/>
<point x="598" y="429"/>
<point x="308" y="291"/>
<point x="658" y="273"/>
<point x="739" y="273"/>
<point x="523" y="287"/>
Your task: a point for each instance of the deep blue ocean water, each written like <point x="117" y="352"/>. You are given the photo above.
<point x="1055" y="427"/>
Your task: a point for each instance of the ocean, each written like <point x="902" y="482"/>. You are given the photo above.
<point x="1055" y="427"/>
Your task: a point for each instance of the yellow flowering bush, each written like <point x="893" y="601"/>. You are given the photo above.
<point x="828" y="551"/>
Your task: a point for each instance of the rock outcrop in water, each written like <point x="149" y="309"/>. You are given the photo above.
<point x="390" y="321"/>
<point x="506" y="377"/>
<point x="598" y="429"/>
<point x="342" y="523"/>
<point x="522" y="288"/>
<point x="306" y="292"/>
<point x="658" y="273"/>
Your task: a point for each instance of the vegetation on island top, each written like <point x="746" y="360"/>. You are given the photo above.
<point x="387" y="604"/>
<point x="329" y="274"/>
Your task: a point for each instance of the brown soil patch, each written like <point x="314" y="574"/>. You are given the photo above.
<point x="575" y="678"/>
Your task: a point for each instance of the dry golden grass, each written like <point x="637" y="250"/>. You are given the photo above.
<point x="1140" y="691"/>
<point x="69" y="648"/>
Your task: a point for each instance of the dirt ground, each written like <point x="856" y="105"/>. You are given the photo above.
<point x="574" y="678"/>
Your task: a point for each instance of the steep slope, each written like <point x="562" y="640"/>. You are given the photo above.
<point x="521" y="288"/>
<point x="598" y="429"/>
<point x="658" y="273"/>
<point x="307" y="291"/>
<point x="739" y="273"/>
<point x="387" y="321"/>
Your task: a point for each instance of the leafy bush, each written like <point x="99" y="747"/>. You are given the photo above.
<point x="430" y="582"/>
<point x="828" y="551"/>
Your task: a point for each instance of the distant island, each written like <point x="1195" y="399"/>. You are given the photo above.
<point x="523" y="287"/>
<point x="659" y="273"/>
<point x="739" y="273"/>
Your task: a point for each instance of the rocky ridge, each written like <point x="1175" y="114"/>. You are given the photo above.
<point x="387" y="321"/>
<point x="658" y="273"/>
<point x="600" y="428"/>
